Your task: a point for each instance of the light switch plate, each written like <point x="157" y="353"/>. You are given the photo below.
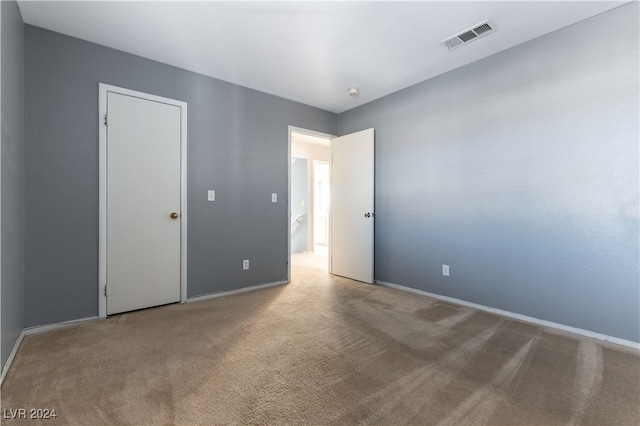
<point x="211" y="195"/>
<point x="274" y="197"/>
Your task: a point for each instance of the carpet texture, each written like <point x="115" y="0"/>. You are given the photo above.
<point x="322" y="350"/>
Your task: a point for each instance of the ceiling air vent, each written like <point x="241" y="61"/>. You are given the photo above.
<point x="477" y="31"/>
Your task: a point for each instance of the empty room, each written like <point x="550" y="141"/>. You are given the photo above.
<point x="320" y="213"/>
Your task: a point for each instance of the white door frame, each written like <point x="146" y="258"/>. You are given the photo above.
<point x="310" y="133"/>
<point x="104" y="89"/>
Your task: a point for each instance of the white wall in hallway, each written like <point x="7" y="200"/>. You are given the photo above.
<point x="311" y="152"/>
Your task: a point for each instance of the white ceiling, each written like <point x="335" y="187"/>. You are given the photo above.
<point x="310" y="52"/>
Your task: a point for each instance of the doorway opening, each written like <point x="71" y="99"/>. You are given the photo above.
<point x="309" y="196"/>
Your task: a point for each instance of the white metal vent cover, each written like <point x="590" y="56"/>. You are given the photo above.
<point x="479" y="30"/>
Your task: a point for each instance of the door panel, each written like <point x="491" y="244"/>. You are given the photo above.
<point x="352" y="203"/>
<point x="143" y="189"/>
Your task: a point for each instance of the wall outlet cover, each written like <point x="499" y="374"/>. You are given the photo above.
<point x="245" y="264"/>
<point x="445" y="270"/>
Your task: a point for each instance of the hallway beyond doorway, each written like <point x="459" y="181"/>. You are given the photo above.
<point x="318" y="259"/>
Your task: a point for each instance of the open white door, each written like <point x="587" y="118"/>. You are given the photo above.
<point x="352" y="203"/>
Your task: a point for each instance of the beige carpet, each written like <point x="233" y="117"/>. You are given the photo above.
<point x="322" y="350"/>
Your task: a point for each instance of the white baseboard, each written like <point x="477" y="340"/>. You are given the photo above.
<point x="34" y="330"/>
<point x="12" y="355"/>
<point x="48" y="327"/>
<point x="230" y="292"/>
<point x="525" y="318"/>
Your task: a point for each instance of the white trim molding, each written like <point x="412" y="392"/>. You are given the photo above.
<point x="237" y="291"/>
<point x="525" y="318"/>
<point x="65" y="324"/>
<point x="58" y="325"/>
<point x="35" y="330"/>
<point x="103" y="90"/>
<point x="12" y="355"/>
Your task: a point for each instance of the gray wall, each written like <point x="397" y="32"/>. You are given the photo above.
<point x="237" y="146"/>
<point x="12" y="176"/>
<point x="299" y="203"/>
<point x="520" y="171"/>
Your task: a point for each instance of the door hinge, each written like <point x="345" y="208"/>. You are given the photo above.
<point x="105" y="290"/>
<point x="106" y="120"/>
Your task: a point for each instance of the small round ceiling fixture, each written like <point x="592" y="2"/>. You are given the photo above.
<point x="354" y="91"/>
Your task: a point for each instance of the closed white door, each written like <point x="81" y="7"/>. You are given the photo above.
<point x="352" y="201"/>
<point x="143" y="203"/>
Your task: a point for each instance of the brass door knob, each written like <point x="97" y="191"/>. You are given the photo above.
<point x="174" y="215"/>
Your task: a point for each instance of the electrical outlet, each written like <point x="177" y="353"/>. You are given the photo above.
<point x="445" y="270"/>
<point x="245" y="264"/>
